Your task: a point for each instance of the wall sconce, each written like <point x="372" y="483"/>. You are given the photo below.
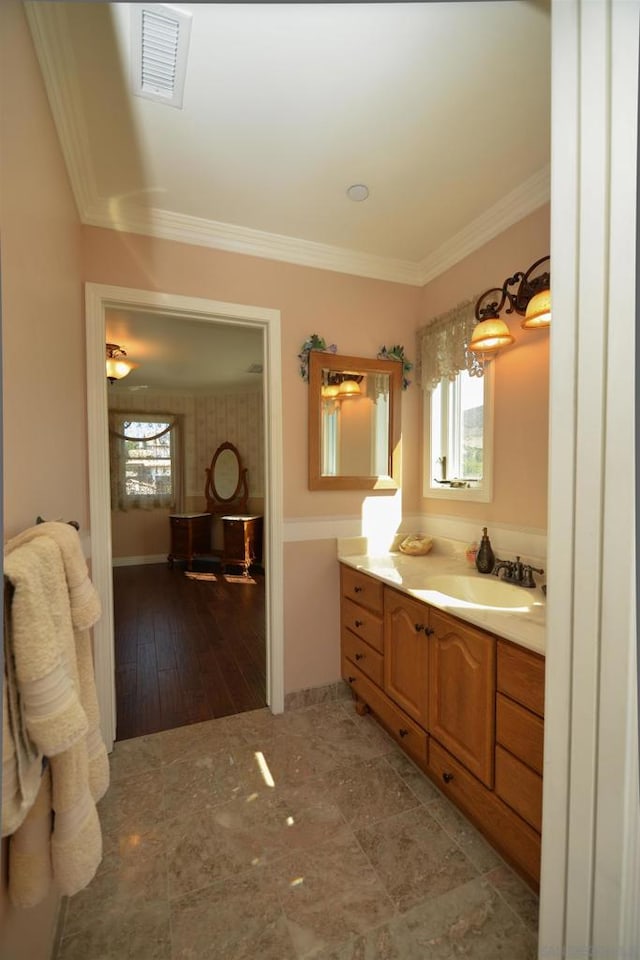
<point x="341" y="386"/>
<point x="532" y="301"/>
<point x="117" y="364"/>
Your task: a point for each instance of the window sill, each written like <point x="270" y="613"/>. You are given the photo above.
<point x="471" y="494"/>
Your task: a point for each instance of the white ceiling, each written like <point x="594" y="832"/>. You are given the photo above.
<point x="441" y="108"/>
<point x="177" y="353"/>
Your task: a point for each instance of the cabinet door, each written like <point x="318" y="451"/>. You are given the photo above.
<point x="406" y="657"/>
<point x="462" y="693"/>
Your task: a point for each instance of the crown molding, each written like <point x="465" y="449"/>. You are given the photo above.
<point x="50" y="32"/>
<point x="514" y="206"/>
<point x="167" y="225"/>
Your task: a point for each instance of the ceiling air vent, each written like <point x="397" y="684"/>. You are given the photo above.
<point x="159" y="45"/>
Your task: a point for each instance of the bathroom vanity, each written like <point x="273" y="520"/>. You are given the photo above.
<point x="465" y="703"/>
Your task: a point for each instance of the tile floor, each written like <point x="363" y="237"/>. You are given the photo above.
<point x="281" y="838"/>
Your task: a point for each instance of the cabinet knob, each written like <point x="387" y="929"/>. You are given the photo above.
<point x="358" y="623"/>
<point x="403" y="732"/>
<point x="447" y="777"/>
<point x="359" y="656"/>
<point x="419" y="627"/>
<point x="357" y="589"/>
<point x="428" y="631"/>
<point x="352" y="679"/>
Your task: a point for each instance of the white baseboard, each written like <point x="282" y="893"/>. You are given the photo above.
<point x="137" y="561"/>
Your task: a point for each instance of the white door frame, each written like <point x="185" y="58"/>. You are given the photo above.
<point x="590" y="882"/>
<point x="99" y="297"/>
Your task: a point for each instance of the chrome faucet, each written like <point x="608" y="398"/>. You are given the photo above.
<point x="517" y="572"/>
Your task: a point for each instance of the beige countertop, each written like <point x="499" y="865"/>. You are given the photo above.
<point x="412" y="575"/>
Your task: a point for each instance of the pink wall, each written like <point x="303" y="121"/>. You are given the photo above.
<point x="521" y="371"/>
<point x="45" y="456"/>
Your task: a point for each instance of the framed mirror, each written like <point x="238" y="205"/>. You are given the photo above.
<point x="354" y="422"/>
<point x="226" y="488"/>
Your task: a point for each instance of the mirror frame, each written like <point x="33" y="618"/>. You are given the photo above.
<point x="237" y="502"/>
<point x="319" y="361"/>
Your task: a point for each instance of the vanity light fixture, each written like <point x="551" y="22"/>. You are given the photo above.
<point x="531" y="300"/>
<point x="349" y="388"/>
<point x="117" y="364"/>
<point x="341" y="386"/>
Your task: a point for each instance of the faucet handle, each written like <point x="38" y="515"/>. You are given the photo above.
<point x="527" y="575"/>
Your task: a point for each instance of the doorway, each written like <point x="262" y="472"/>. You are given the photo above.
<point x="189" y="630"/>
<point x="100" y="299"/>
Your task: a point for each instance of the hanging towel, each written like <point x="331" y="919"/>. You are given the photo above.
<point x="30" y="870"/>
<point x="54" y="670"/>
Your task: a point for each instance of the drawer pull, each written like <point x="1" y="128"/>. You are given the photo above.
<point x="358" y="623"/>
<point x="403" y="732"/>
<point x="447" y="777"/>
<point x="358" y="589"/>
<point x="420" y="627"/>
<point x="360" y="656"/>
<point x="352" y="679"/>
<point x="428" y="631"/>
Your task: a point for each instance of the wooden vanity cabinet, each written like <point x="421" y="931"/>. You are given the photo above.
<point x="466" y="706"/>
<point x="462" y="693"/>
<point x="406" y="653"/>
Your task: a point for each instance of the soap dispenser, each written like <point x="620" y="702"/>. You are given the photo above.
<point x="485" y="558"/>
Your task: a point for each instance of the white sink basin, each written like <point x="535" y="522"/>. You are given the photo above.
<point x="485" y="592"/>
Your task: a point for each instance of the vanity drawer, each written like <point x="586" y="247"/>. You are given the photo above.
<point x="361" y="654"/>
<point x="520" y="787"/>
<point x="512" y="835"/>
<point x="520" y="732"/>
<point x="363" y="589"/>
<point x="521" y="676"/>
<point x="412" y="738"/>
<point x="363" y="623"/>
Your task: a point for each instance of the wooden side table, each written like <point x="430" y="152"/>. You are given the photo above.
<point x="242" y="540"/>
<point x="190" y="536"/>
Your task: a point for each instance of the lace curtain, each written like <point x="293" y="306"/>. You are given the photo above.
<point x="147" y="462"/>
<point x="442" y="346"/>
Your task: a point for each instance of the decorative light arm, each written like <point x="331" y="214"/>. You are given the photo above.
<point x="528" y="287"/>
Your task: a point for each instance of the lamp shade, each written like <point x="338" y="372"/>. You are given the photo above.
<point x="538" y="312"/>
<point x="330" y="391"/>
<point x="489" y="335"/>
<point x="349" y="388"/>
<point x="117" y="368"/>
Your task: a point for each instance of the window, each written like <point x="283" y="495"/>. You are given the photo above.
<point x="145" y="471"/>
<point x="458" y="455"/>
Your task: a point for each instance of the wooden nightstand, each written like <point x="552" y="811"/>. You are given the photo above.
<point x="190" y="536"/>
<point x="242" y="540"/>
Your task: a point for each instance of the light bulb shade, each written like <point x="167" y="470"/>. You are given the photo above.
<point x="538" y="312"/>
<point x="349" y="388"/>
<point x="490" y="335"/>
<point x="330" y="391"/>
<point x="117" y="368"/>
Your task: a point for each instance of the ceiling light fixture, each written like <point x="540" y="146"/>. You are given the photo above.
<point x="117" y="364"/>
<point x="531" y="300"/>
<point x="358" y="192"/>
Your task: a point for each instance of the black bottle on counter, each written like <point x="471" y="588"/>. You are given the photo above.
<point x="485" y="557"/>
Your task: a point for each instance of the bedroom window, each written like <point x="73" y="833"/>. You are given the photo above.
<point x="145" y="462"/>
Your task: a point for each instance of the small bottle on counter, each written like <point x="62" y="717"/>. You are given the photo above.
<point x="485" y="558"/>
<point x="471" y="553"/>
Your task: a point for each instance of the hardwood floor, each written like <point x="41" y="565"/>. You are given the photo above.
<point x="186" y="650"/>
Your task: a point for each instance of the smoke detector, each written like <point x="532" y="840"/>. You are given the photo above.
<point x="159" y="46"/>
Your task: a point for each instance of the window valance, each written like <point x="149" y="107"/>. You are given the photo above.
<point x="442" y="346"/>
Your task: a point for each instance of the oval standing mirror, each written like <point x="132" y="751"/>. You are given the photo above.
<point x="354" y="422"/>
<point x="226" y="485"/>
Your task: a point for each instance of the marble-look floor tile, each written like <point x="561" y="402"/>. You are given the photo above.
<point x="414" y="857"/>
<point x="417" y="781"/>
<point x="471" y="921"/>
<point x="238" y="919"/>
<point x="328" y="894"/>
<point x="516" y="893"/>
<point x="139" y="932"/>
<point x="132" y="805"/>
<point x="244" y="833"/>
<point x="195" y="740"/>
<point x="477" y="849"/>
<point x="133" y="757"/>
<point x="369" y="791"/>
<point x="206" y="781"/>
